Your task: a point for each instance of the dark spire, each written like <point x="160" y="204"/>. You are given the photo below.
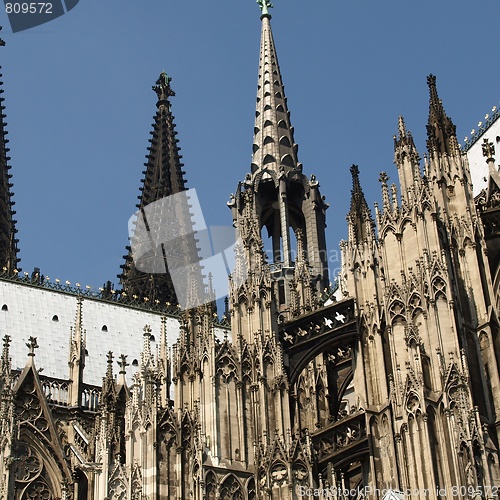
<point x="441" y="132"/>
<point x="163" y="177"/>
<point x="273" y="144"/>
<point x="8" y="241"/>
<point x="361" y="225"/>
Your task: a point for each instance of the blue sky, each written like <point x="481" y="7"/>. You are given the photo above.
<point x="79" y="105"/>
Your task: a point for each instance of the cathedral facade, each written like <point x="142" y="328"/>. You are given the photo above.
<point x="384" y="386"/>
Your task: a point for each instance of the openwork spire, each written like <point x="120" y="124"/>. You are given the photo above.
<point x="8" y="241"/>
<point x="163" y="177"/>
<point x="441" y="132"/>
<point x="273" y="145"/>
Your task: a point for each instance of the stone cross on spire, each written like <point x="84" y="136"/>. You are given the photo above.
<point x="488" y="150"/>
<point x="162" y="88"/>
<point x="32" y="344"/>
<point x="122" y="363"/>
<point x="264" y="6"/>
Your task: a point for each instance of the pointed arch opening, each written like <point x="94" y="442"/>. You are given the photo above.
<point x="231" y="489"/>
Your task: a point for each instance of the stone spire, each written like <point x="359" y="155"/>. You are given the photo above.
<point x="441" y="132"/>
<point x="273" y="144"/>
<point x="407" y="161"/>
<point x="8" y="241"/>
<point x="163" y="177"/>
<point x="361" y="225"/>
<point x="108" y="383"/>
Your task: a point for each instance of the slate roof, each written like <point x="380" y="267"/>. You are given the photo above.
<point x="49" y="315"/>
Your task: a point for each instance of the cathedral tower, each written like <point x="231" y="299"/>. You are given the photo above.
<point x="278" y="212"/>
<point x="427" y="334"/>
<point x="295" y="354"/>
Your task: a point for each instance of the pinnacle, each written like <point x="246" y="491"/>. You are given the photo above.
<point x="401" y="127"/>
<point x="358" y="201"/>
<point x="383" y="179"/>
<point x="359" y="217"/>
<point x="356" y="186"/>
<point x="441" y="131"/>
<point x="431" y="82"/>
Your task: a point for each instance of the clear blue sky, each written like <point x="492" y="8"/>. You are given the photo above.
<point x="79" y="105"/>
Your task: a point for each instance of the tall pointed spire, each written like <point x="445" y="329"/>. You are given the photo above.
<point x="8" y="241"/>
<point x="163" y="177"/>
<point x="278" y="212"/>
<point x="441" y="132"/>
<point x="273" y="145"/>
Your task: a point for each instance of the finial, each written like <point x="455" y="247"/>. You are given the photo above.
<point x="122" y="363"/>
<point x="264" y="6"/>
<point x="431" y="82"/>
<point x="488" y="150"/>
<point x="146" y="337"/>
<point x="32" y="344"/>
<point x="6" y="341"/>
<point x="162" y="88"/>
<point x="383" y="178"/>
<point x="385" y="190"/>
